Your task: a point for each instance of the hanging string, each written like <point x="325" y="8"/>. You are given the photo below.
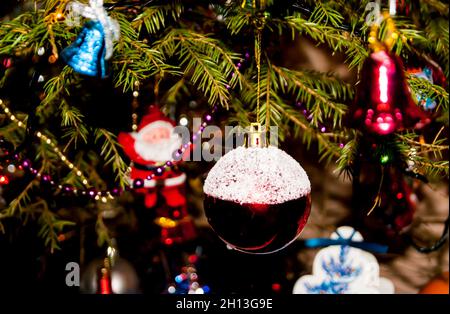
<point x="377" y="201"/>
<point x="389" y="39"/>
<point x="258" y="68"/>
<point x="258" y="39"/>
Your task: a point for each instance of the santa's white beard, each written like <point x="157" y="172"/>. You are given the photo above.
<point x="158" y="152"/>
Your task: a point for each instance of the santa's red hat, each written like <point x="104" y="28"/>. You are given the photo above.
<point x="154" y="114"/>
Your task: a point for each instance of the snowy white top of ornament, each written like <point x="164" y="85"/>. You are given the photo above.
<point x="257" y="176"/>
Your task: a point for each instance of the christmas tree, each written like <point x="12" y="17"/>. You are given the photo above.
<point x="92" y="170"/>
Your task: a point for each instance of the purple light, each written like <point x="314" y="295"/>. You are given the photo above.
<point x="323" y="129"/>
<point x="208" y="117"/>
<point x="228" y="86"/>
<point x="341" y="145"/>
<point x="239" y="65"/>
<point x="115" y="191"/>
<point x="138" y="183"/>
<point x="194" y="137"/>
<point x="247" y="55"/>
<point x="26" y="163"/>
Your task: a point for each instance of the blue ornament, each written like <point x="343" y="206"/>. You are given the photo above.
<point x="87" y="53"/>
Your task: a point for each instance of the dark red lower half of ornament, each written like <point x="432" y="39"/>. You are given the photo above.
<point x="257" y="228"/>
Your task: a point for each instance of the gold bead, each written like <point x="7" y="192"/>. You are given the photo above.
<point x="85" y="182"/>
<point x="79" y="173"/>
<point x="63" y="158"/>
<point x="394" y="35"/>
<point x="71" y="166"/>
<point x="39" y="134"/>
<point x="52" y="59"/>
<point x="12" y="118"/>
<point x="48" y="141"/>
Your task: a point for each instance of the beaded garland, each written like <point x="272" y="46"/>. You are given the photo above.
<point x="26" y="164"/>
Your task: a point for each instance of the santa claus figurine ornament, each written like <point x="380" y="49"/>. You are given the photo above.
<point x="153" y="173"/>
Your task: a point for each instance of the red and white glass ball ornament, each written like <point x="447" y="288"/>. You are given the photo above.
<point x="257" y="199"/>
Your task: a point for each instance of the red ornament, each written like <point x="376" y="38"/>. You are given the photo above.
<point x="104" y="282"/>
<point x="105" y="285"/>
<point x="276" y="287"/>
<point x="151" y="149"/>
<point x="383" y="102"/>
<point x="258" y="199"/>
<point x="4" y="180"/>
<point x="7" y="62"/>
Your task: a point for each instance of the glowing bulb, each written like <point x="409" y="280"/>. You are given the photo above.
<point x="184" y="121"/>
<point x="384" y="126"/>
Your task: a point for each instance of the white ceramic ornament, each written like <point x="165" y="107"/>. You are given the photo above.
<point x="342" y="269"/>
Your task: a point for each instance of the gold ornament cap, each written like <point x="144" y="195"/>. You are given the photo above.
<point x="256" y="136"/>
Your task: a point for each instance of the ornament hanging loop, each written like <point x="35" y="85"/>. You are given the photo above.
<point x="390" y="37"/>
<point x="96" y="12"/>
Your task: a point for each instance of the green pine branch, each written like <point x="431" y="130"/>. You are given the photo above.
<point x="110" y="151"/>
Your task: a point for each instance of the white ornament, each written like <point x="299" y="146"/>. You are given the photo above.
<point x="342" y="269"/>
<point x="257" y="175"/>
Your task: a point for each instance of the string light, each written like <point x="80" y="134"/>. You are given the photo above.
<point x="138" y="182"/>
<point x="102" y="196"/>
<point x="49" y="142"/>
